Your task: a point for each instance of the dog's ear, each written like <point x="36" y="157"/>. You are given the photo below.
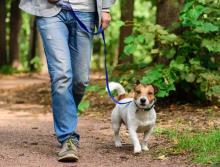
<point x="137" y="83"/>
<point x="156" y="89"/>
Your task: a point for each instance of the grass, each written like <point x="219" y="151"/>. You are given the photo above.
<point x="201" y="147"/>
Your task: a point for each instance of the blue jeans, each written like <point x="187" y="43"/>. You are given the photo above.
<point x="68" y="52"/>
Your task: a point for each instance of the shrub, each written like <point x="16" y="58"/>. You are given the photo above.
<point x="192" y="55"/>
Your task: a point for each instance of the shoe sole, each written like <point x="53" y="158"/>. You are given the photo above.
<point x="68" y="158"/>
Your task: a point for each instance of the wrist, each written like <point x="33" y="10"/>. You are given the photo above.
<point x="106" y="10"/>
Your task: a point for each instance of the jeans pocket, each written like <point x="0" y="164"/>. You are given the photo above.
<point x="88" y="19"/>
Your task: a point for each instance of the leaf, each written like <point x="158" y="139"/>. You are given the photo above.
<point x="194" y="61"/>
<point x="162" y="93"/>
<point x="162" y="157"/>
<point x="83" y="105"/>
<point x="190" y="78"/>
<point x="168" y="52"/>
<point x="195" y="12"/>
<point x="169" y="38"/>
<point x="180" y="59"/>
<point x="187" y="6"/>
<point x="216" y="90"/>
<point x="206" y="28"/>
<point x="213" y="45"/>
<point x="130" y="49"/>
<point x="177" y="66"/>
<point x="93" y="88"/>
<point x="141" y="38"/>
<point x="154" y="51"/>
<point x="129" y="39"/>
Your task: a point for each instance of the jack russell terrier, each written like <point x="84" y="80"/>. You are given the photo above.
<point x="138" y="116"/>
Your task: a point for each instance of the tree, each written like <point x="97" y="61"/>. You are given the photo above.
<point x="3" y="52"/>
<point x="33" y="43"/>
<point x="15" y="26"/>
<point x="167" y="14"/>
<point x="127" y="15"/>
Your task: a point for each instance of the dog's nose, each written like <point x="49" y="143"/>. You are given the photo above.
<point x="143" y="100"/>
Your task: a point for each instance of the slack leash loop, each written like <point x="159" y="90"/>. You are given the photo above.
<point x="67" y="6"/>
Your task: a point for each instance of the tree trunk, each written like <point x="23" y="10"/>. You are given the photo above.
<point x="3" y="52"/>
<point x="127" y="14"/>
<point x="33" y="43"/>
<point x="167" y="14"/>
<point x="15" y="26"/>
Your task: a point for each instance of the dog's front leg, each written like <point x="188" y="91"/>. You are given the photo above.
<point x="135" y="140"/>
<point x="144" y="145"/>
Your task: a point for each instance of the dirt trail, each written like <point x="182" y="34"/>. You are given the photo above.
<point x="27" y="138"/>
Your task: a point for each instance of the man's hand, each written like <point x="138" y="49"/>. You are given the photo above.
<point x="52" y="1"/>
<point x="106" y="18"/>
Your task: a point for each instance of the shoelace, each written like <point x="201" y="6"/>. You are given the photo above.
<point x="71" y="143"/>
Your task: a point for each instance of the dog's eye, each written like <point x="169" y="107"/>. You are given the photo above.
<point x="150" y="93"/>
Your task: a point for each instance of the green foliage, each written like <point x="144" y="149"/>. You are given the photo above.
<point x="5" y="69"/>
<point x="83" y="106"/>
<point x="144" y="12"/>
<point x="24" y="40"/>
<point x="93" y="88"/>
<point x="191" y="55"/>
<point x="161" y="78"/>
<point x="36" y="62"/>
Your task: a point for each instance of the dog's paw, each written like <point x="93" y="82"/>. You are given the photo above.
<point x="145" y="148"/>
<point x="137" y="150"/>
<point x="118" y="144"/>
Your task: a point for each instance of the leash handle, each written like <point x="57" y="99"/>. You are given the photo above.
<point x="66" y="5"/>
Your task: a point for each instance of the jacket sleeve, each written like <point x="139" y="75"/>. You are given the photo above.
<point x="106" y="4"/>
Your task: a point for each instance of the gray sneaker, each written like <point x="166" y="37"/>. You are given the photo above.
<point x="68" y="152"/>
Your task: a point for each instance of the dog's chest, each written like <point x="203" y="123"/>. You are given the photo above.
<point x="144" y="121"/>
<point x="142" y="129"/>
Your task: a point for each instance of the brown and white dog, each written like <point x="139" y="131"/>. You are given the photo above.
<point x="139" y="115"/>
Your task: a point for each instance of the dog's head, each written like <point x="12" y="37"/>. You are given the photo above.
<point x="144" y="95"/>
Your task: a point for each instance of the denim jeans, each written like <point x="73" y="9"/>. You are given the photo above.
<point x="68" y="52"/>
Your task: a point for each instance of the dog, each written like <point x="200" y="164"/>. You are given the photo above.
<point x="139" y="115"/>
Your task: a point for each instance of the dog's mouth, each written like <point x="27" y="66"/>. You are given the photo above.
<point x="143" y="104"/>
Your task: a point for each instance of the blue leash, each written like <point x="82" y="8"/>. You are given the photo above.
<point x="66" y="5"/>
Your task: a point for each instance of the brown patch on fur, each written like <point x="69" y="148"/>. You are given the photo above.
<point x="120" y="97"/>
<point x="127" y="95"/>
<point x="141" y="90"/>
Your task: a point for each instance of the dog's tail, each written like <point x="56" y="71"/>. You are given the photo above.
<point x="119" y="88"/>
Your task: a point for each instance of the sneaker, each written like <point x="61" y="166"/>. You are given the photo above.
<point x="68" y="152"/>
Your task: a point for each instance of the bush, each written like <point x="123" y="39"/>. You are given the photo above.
<point x="192" y="55"/>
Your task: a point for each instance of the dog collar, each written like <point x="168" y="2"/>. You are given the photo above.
<point x="146" y="109"/>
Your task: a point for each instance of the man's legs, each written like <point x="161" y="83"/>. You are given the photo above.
<point x="55" y="35"/>
<point x="80" y="44"/>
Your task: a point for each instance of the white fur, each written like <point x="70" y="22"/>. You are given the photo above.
<point x="118" y="87"/>
<point x="136" y="121"/>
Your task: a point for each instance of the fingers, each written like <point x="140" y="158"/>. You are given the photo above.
<point x="106" y="19"/>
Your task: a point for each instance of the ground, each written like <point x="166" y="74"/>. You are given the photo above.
<point x="28" y="140"/>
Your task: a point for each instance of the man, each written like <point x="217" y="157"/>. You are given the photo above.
<point x="68" y="50"/>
